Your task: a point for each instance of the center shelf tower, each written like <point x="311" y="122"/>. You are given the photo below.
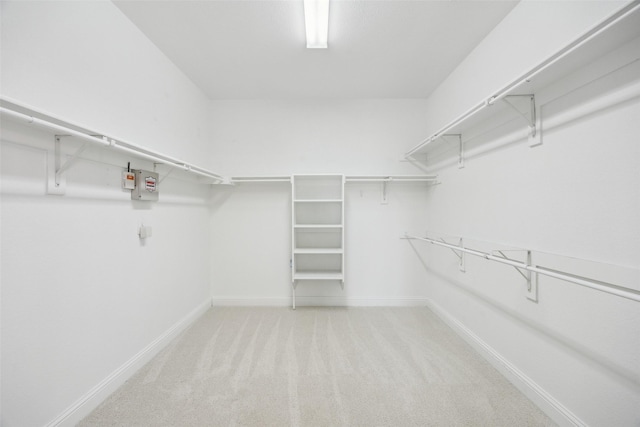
<point x="317" y="219"/>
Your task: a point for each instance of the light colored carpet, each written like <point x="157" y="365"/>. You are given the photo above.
<point x="248" y="366"/>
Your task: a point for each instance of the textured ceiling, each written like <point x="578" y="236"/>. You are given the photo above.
<point x="256" y="49"/>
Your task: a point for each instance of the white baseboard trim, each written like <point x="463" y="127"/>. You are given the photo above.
<point x="545" y="401"/>
<point x="319" y="301"/>
<point x="87" y="403"/>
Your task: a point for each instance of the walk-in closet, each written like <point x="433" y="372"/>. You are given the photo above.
<point x="319" y="213"/>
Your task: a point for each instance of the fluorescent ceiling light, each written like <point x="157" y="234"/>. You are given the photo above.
<point x="316" y="21"/>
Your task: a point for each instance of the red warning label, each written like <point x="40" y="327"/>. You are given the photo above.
<point x="150" y="183"/>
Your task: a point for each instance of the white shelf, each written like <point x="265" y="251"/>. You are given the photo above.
<point x="318" y="275"/>
<point x="604" y="37"/>
<point x="318" y="226"/>
<point x="392" y="178"/>
<point x="22" y="113"/>
<point x="318" y="201"/>
<point x="311" y="251"/>
<point x="317" y="218"/>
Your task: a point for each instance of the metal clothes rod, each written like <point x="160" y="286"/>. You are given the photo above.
<point x="397" y="178"/>
<point x="380" y="178"/>
<point x="104" y="141"/>
<point x="53" y="126"/>
<point x="578" y="42"/>
<point x="600" y="286"/>
<point x="239" y="179"/>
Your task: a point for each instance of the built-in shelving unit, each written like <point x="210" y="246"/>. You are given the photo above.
<point x="317" y="218"/>
<point x="518" y="97"/>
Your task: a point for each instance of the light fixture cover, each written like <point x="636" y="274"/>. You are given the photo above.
<point x="316" y="20"/>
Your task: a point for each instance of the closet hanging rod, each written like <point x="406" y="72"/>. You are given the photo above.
<point x="348" y="178"/>
<point x="602" y="26"/>
<point x="583" y="281"/>
<point x="397" y="178"/>
<point x="53" y="126"/>
<point x="239" y="179"/>
<point x="104" y="141"/>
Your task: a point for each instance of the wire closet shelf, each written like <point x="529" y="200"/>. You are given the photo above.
<point x="25" y="114"/>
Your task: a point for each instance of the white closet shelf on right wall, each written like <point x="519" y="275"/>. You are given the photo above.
<point x="518" y="99"/>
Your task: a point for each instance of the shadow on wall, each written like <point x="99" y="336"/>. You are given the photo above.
<point x="625" y="375"/>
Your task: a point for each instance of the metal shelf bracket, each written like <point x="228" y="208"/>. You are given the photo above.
<point x="70" y="161"/>
<point x="164" y="176"/>
<point x="384" y="201"/>
<point x="532" y="117"/>
<point x="459" y="254"/>
<point x="532" y="283"/>
<point x="56" y="181"/>
<point x="460" y="146"/>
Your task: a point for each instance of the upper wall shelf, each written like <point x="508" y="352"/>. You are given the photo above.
<point x="348" y="178"/>
<point x="519" y="94"/>
<point x="381" y="179"/>
<point x="25" y="114"/>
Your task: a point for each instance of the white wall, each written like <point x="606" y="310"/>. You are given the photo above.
<point x="577" y="195"/>
<point x="348" y="136"/>
<point x="351" y="137"/>
<point x="82" y="296"/>
<point x="531" y="32"/>
<point x="85" y="61"/>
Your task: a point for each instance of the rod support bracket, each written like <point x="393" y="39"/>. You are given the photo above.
<point x="457" y="136"/>
<point x="458" y="253"/>
<point x="532" y="116"/>
<point x="531" y="280"/>
<point x="384" y="199"/>
<point x="56" y="182"/>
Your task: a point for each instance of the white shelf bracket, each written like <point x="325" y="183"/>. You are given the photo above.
<point x="532" y="117"/>
<point x="169" y="172"/>
<point x="532" y="283"/>
<point x="71" y="160"/>
<point x="460" y="152"/>
<point x="535" y="139"/>
<point x="57" y="183"/>
<point x="459" y="254"/>
<point x="460" y="146"/>
<point x="384" y="200"/>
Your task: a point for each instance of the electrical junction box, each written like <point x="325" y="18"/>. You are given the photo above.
<point x="146" y="185"/>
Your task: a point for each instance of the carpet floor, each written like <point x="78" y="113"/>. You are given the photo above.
<point x="249" y="366"/>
